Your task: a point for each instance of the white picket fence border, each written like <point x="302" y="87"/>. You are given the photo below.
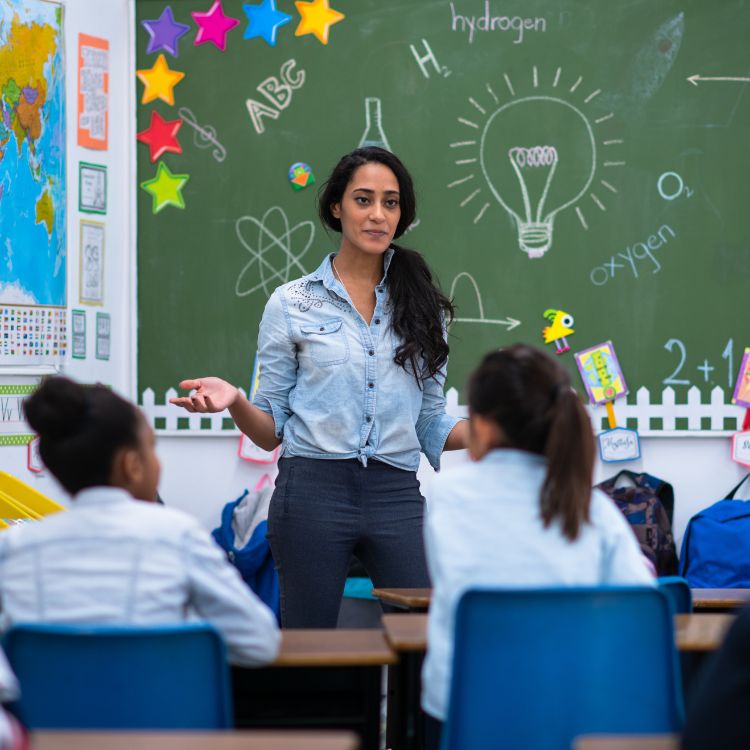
<point x="637" y="415"/>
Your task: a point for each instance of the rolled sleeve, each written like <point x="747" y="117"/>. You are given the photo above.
<point x="433" y="424"/>
<point x="277" y="356"/>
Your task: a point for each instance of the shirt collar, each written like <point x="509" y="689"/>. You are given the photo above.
<point x="102" y="496"/>
<point x="324" y="271"/>
<point x="512" y="457"/>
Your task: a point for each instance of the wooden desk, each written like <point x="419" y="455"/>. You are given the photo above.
<point x="703" y="599"/>
<point x="628" y="742"/>
<point x="414" y="599"/>
<point x="720" y="599"/>
<point x="321" y="679"/>
<point x="278" y="740"/>
<point x="696" y="632"/>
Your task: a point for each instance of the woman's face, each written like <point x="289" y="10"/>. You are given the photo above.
<point x="369" y="210"/>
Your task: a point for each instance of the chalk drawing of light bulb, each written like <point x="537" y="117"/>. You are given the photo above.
<point x="538" y="155"/>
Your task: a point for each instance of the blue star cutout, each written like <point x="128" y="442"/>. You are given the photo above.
<point x="164" y="32"/>
<point x="265" y="19"/>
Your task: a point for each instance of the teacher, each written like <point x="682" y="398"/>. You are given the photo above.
<point x="352" y="365"/>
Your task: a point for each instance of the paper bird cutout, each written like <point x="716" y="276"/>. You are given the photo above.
<point x="166" y="188"/>
<point x="159" y="81"/>
<point x="213" y="26"/>
<point x="161" y="136"/>
<point x="317" y="18"/>
<point x="562" y="326"/>
<point x="165" y="32"/>
<point x="265" y="20"/>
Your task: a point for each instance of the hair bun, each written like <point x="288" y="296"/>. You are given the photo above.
<point x="56" y="408"/>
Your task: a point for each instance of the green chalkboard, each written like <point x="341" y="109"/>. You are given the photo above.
<point x="564" y="129"/>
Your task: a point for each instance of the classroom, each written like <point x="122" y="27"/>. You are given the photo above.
<point x="175" y="179"/>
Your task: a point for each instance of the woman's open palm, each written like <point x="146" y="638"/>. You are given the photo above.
<point x="211" y="395"/>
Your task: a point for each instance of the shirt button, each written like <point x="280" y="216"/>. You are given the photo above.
<point x="371" y="352"/>
<point x="371" y="385"/>
<point x="368" y="418"/>
<point x="377" y="321"/>
<point x="321" y="328"/>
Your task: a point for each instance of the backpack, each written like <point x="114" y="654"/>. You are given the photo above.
<point x="716" y="545"/>
<point x="648" y="506"/>
<point x="242" y="535"/>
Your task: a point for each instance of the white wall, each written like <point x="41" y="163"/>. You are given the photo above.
<point x="109" y="19"/>
<point x="200" y="474"/>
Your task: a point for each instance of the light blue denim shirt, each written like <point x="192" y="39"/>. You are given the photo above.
<point x="330" y="382"/>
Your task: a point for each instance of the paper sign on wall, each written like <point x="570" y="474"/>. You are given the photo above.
<point x="741" y="395"/>
<point x="92" y="188"/>
<point x="91" y="290"/>
<point x="619" y="444"/>
<point x="248" y="450"/>
<point x="93" y="92"/>
<point x="601" y="373"/>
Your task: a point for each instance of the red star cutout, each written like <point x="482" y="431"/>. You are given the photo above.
<point x="161" y="136"/>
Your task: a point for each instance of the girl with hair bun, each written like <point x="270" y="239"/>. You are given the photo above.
<point x="352" y="364"/>
<point x="523" y="513"/>
<point x="117" y="557"/>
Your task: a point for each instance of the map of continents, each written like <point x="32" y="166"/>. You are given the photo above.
<point x="32" y="154"/>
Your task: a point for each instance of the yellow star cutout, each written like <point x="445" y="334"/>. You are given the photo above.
<point x="317" y="18"/>
<point x="159" y="81"/>
<point x="166" y="188"/>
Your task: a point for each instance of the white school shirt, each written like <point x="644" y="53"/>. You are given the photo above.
<point x="483" y="528"/>
<point x="113" y="560"/>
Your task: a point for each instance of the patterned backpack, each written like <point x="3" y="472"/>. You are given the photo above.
<point x="648" y="506"/>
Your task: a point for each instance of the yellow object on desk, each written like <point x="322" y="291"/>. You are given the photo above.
<point x="19" y="502"/>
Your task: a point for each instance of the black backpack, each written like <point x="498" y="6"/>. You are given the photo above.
<point x="648" y="507"/>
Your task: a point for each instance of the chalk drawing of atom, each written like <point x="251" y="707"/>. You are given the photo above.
<point x="275" y="251"/>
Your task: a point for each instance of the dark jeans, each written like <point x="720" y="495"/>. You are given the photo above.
<point x="321" y="512"/>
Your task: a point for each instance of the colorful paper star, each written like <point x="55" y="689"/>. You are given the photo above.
<point x="213" y="26"/>
<point x="317" y="18"/>
<point x="159" y="81"/>
<point x="166" y="188"/>
<point x="164" y="32"/>
<point x="161" y="136"/>
<point x="264" y="19"/>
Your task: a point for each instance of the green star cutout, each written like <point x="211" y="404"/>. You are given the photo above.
<point x="166" y="188"/>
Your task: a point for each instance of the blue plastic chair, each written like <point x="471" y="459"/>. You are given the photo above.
<point x="533" y="669"/>
<point x="678" y="592"/>
<point x="91" y="677"/>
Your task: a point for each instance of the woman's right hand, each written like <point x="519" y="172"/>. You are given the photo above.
<point x="211" y="395"/>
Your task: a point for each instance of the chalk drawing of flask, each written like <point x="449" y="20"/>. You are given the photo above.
<point x="373" y="135"/>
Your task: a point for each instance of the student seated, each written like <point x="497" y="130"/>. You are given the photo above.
<point x="718" y="709"/>
<point x="117" y="557"/>
<point x="523" y="513"/>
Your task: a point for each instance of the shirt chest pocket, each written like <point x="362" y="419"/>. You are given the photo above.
<point x="326" y="342"/>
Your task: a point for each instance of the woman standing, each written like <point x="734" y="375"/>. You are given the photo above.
<point x="352" y="364"/>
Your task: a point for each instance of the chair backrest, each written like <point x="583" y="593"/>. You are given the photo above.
<point x="678" y="592"/>
<point x="92" y="677"/>
<point x="533" y="669"/>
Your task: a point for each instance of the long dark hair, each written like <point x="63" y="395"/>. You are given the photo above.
<point x="80" y="427"/>
<point x="529" y="396"/>
<point x="419" y="309"/>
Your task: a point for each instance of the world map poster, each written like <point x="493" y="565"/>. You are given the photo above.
<point x="32" y="182"/>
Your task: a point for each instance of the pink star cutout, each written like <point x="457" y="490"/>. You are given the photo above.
<point x="213" y="26"/>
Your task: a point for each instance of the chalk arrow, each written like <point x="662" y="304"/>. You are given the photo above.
<point x="509" y="323"/>
<point x="694" y="79"/>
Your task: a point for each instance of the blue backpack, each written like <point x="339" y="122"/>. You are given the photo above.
<point x="242" y="535"/>
<point x="716" y="546"/>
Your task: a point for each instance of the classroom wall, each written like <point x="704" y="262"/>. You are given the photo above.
<point x="200" y="474"/>
<point x="109" y="19"/>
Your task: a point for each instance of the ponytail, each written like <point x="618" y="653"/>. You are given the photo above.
<point x="566" y="492"/>
<point x="529" y="396"/>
